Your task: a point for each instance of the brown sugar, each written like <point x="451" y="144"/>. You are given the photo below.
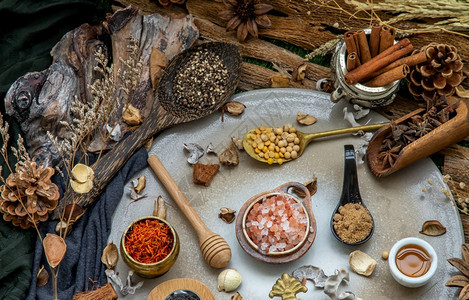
<point x="353" y="222"/>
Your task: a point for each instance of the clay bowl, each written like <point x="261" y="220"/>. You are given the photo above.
<point x="278" y="257"/>
<point x="155" y="269"/>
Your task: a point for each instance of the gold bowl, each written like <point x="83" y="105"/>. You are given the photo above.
<point x="154" y="269"/>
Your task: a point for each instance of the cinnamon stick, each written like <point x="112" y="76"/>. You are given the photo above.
<point x="374" y="39"/>
<point x="350" y="42"/>
<point x="364" y="49"/>
<point x="412" y="60"/>
<point x="383" y="59"/>
<point x="392" y="75"/>
<point x="388" y="35"/>
<point x="352" y="61"/>
<point x="106" y="292"/>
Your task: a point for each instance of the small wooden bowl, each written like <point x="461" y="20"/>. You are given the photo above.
<point x="277" y="257"/>
<point x="155" y="269"/>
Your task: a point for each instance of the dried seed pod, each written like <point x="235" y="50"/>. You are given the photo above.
<point x="457" y="281"/>
<point x="42" y="277"/>
<point x="279" y="81"/>
<point x="83" y="176"/>
<point x="229" y="280"/>
<point x="433" y="228"/>
<point x="159" y="209"/>
<point x="54" y="248"/>
<point x="465" y="252"/>
<point x="299" y="73"/>
<point x="227" y="214"/>
<point x="311" y="185"/>
<point x="234" y="107"/>
<point x="238" y="143"/>
<point x="110" y="255"/>
<point x="132" y="115"/>
<point x="195" y="152"/>
<point x="305" y="119"/>
<point x="139" y="184"/>
<point x="229" y="157"/>
<point x="362" y="263"/>
<point x="63" y="227"/>
<point x="460" y="264"/>
<point x="72" y="212"/>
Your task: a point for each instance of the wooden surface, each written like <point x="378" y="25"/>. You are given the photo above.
<point x="322" y="24"/>
<point x="163" y="290"/>
<point x="216" y="251"/>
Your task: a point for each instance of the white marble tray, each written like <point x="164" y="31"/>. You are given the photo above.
<point x="398" y="205"/>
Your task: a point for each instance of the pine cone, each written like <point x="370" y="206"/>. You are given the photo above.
<point x="439" y="75"/>
<point x="29" y="190"/>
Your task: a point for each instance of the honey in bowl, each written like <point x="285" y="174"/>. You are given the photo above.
<point x="413" y="260"/>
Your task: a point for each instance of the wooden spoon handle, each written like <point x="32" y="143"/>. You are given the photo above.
<point x="215" y="249"/>
<point x="310" y="136"/>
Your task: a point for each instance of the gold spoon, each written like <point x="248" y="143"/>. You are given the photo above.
<point x="305" y="139"/>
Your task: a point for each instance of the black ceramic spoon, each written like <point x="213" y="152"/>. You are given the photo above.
<point x="350" y="192"/>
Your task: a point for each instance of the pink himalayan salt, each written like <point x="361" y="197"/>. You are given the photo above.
<point x="277" y="223"/>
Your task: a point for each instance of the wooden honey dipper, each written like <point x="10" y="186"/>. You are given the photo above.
<point x="216" y="251"/>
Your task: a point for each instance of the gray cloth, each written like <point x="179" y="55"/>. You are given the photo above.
<point x="87" y="240"/>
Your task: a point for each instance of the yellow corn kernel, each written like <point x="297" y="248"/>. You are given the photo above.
<point x="270" y="161"/>
<point x="267" y="143"/>
<point x="280" y="161"/>
<point x="271" y="147"/>
<point x="276" y="155"/>
<point x="254" y="145"/>
<point x="258" y="131"/>
<point x="257" y="150"/>
<point x="281" y="154"/>
<point x="265" y="149"/>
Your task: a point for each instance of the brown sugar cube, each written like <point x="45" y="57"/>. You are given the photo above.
<point x="203" y="174"/>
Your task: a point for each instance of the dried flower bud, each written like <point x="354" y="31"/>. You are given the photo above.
<point x="229" y="280"/>
<point x="42" y="277"/>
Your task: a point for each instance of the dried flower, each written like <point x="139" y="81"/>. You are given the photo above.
<point x="245" y="16"/>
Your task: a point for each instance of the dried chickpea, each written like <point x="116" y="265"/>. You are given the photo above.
<point x="266" y="155"/>
<point x="290" y="139"/>
<point x="278" y="131"/>
<point x="264" y="137"/>
<point x="262" y="128"/>
<point x="283" y="150"/>
<point x="385" y="255"/>
<point x="257" y="131"/>
<point x="287" y="155"/>
<point x="277" y="149"/>
<point x="270" y="161"/>
<point x="289" y="149"/>
<point x="296" y="141"/>
<point x="280" y="161"/>
<point x="271" y="147"/>
<point x="277" y="155"/>
<point x="272" y="138"/>
<point x="271" y="154"/>
<point x="292" y="130"/>
<point x="260" y="145"/>
<point x="296" y="148"/>
<point x="294" y="154"/>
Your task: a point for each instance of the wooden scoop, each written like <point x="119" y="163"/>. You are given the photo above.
<point x="165" y="113"/>
<point x="306" y="138"/>
<point x="441" y="137"/>
<point x="215" y="249"/>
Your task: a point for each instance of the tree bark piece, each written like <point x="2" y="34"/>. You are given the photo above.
<point x="106" y="292"/>
<point x="456" y="163"/>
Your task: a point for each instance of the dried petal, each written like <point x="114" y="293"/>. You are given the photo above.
<point x="299" y="73"/>
<point x="233" y="23"/>
<point x="54" y="248"/>
<point x="263" y="21"/>
<point x="42" y="277"/>
<point x="252" y="28"/>
<point x="81" y="188"/>
<point x="226" y="14"/>
<point x="234" y="107"/>
<point x="461" y="265"/>
<point x="195" y="151"/>
<point x="279" y="81"/>
<point x="229" y="157"/>
<point x="140" y="185"/>
<point x="260" y="8"/>
<point x="227" y="214"/>
<point x="63" y="227"/>
<point x="433" y="228"/>
<point x="362" y="263"/>
<point x="305" y="119"/>
<point x="465" y="252"/>
<point x="242" y="32"/>
<point x="110" y="255"/>
<point x="238" y="143"/>
<point x="464" y="294"/>
<point x="131" y="115"/>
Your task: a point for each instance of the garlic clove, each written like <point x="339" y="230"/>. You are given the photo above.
<point x="229" y="280"/>
<point x="362" y="263"/>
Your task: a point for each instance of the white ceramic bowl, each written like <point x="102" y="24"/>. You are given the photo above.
<point x="405" y="280"/>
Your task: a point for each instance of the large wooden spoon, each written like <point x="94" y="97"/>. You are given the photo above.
<point x="305" y="139"/>
<point x="165" y="113"/>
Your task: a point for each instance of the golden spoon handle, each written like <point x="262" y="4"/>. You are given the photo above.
<point x="311" y="136"/>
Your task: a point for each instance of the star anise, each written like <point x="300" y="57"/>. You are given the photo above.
<point x="246" y="16"/>
<point x="461" y="281"/>
<point x="388" y="157"/>
<point x="397" y="131"/>
<point x="421" y="128"/>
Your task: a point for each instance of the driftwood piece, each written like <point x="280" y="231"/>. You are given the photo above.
<point x="456" y="163"/>
<point x="106" y="292"/>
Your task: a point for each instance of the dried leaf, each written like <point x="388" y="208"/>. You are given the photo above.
<point x="195" y="152"/>
<point x="110" y="255"/>
<point x="465" y="252"/>
<point x="305" y="119"/>
<point x="234" y="107"/>
<point x="132" y="115"/>
<point x="54" y="248"/>
<point x="229" y="157"/>
<point x="140" y="184"/>
<point x="299" y="73"/>
<point x="464" y="294"/>
<point x="315" y="274"/>
<point x="42" y="277"/>
<point x="433" y="228"/>
<point x="159" y="209"/>
<point x="457" y="281"/>
<point x="227" y="214"/>
<point x="460" y="264"/>
<point x="279" y="81"/>
<point x="238" y="143"/>
<point x="158" y="62"/>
